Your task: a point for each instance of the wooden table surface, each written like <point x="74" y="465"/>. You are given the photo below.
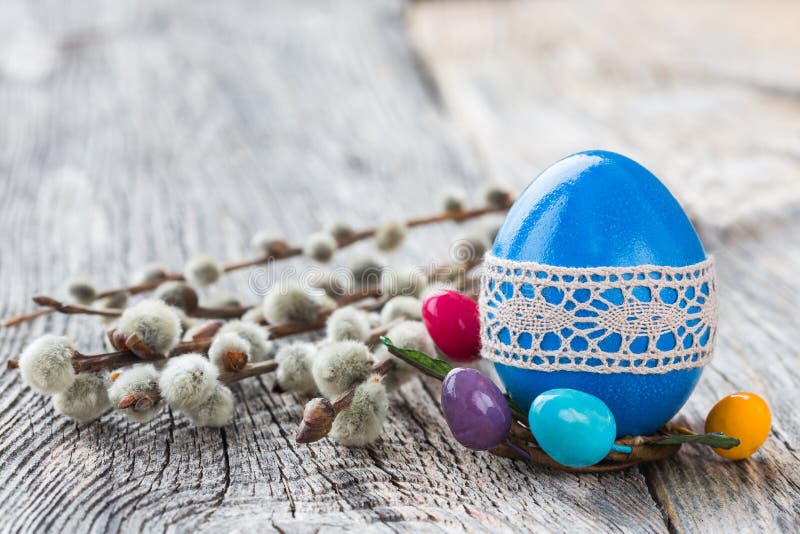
<point x="140" y="131"/>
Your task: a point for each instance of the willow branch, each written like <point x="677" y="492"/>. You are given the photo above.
<point x="229" y="312"/>
<point x="139" y="400"/>
<point x="281" y="252"/>
<point x="74" y="309"/>
<point x="95" y="363"/>
<point x="142" y="287"/>
<point x="19" y="319"/>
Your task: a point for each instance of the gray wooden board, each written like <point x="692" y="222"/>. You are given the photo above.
<point x="708" y="96"/>
<point x="166" y="129"/>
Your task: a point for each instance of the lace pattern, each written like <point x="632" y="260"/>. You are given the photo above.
<point x="644" y="320"/>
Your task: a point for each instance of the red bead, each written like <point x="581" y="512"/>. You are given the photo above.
<point x="454" y="325"/>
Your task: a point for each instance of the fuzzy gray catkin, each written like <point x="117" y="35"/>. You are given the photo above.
<point x="374" y="319"/>
<point x="339" y="365"/>
<point x="453" y="200"/>
<point x="340" y="230"/>
<point x="46" y="364"/>
<point x="348" y="323"/>
<point x="216" y="411"/>
<point x="82" y="290"/>
<point x="202" y="270"/>
<point x="407" y="335"/>
<point x="320" y="247"/>
<point x="263" y="242"/>
<point x="116" y="301"/>
<point x="149" y="273"/>
<point x="361" y="422"/>
<point x="289" y="303"/>
<point x="254" y="316"/>
<point x="468" y="248"/>
<point x="176" y="294"/>
<point x="224" y="343"/>
<point x="402" y="306"/>
<point x="294" y="367"/>
<point x="390" y="235"/>
<point x="409" y="281"/>
<point x="366" y="270"/>
<point x="142" y="378"/>
<point x="255" y="335"/>
<point x="85" y="400"/>
<point x="330" y="282"/>
<point x="187" y="381"/>
<point x="496" y="196"/>
<point x="156" y="324"/>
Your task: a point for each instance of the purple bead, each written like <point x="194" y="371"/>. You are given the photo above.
<point x="475" y="409"/>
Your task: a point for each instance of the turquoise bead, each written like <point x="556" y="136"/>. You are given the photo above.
<point x="574" y="428"/>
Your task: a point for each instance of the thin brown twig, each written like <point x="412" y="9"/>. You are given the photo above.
<point x="118" y="359"/>
<point x="282" y="252"/>
<point x="74" y="309"/>
<point x="251" y="369"/>
<point x="142" y="287"/>
<point x="225" y="312"/>
<point x="95" y="363"/>
<point x="138" y="400"/>
<point x="19" y="319"/>
<point x="132" y="290"/>
<point x="150" y="398"/>
<point x="457" y="217"/>
<point x="200" y="312"/>
<point x="229" y="312"/>
<point x="115" y="360"/>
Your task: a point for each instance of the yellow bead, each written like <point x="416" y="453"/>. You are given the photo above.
<point x="744" y="416"/>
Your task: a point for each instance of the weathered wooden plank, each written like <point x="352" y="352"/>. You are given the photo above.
<point x="705" y="94"/>
<point x="708" y="96"/>
<point x="757" y="352"/>
<point x="164" y="130"/>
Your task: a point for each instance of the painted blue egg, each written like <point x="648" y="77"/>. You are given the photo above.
<point x="598" y="282"/>
<point x="574" y="428"/>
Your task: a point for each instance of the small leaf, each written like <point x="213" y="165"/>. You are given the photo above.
<point x="430" y="366"/>
<point x="717" y="440"/>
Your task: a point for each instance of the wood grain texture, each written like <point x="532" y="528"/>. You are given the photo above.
<point x="152" y="131"/>
<point x="707" y="95"/>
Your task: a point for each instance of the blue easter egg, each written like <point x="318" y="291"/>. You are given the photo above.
<point x="574" y="428"/>
<point x="601" y="209"/>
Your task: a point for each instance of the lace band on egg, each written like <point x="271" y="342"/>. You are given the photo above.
<point x="645" y="319"/>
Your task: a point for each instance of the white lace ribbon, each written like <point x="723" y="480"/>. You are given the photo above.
<point x="646" y="319"/>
